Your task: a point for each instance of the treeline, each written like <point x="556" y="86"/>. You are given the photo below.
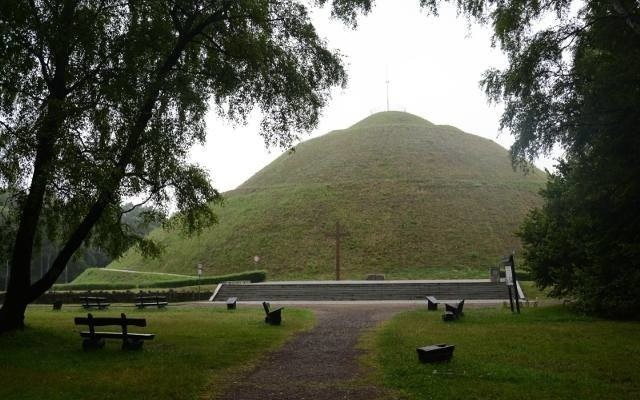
<point x="47" y="247"/>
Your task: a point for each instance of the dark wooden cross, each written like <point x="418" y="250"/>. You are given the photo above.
<point x="337" y="235"/>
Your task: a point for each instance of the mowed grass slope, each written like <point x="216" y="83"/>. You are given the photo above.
<point x="543" y="353"/>
<point x="195" y="353"/>
<point x="417" y="200"/>
<point x="114" y="279"/>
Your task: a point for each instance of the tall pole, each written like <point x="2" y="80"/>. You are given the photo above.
<point x="387" y="82"/>
<point x="6" y="277"/>
<point x="512" y="265"/>
<point x="199" y="267"/>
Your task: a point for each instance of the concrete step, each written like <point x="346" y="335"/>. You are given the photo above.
<point x="346" y="291"/>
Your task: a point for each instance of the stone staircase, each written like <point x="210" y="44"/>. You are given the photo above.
<point x="362" y="290"/>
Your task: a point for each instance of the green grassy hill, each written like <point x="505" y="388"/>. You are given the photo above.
<point x="418" y="200"/>
<point x="115" y="279"/>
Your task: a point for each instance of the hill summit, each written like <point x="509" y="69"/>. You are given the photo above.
<point x="418" y="200"/>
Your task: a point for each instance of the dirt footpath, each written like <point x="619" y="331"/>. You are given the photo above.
<point x="322" y="363"/>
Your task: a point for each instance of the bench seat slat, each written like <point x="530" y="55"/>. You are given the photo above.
<point x="118" y="335"/>
<point x="104" y="321"/>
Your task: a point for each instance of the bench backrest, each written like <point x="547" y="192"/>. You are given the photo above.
<point x="432" y="299"/>
<point x="265" y="305"/>
<point x="154" y="298"/>
<point x="106" y="321"/>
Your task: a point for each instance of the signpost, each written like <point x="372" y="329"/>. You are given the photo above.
<point x="511" y="280"/>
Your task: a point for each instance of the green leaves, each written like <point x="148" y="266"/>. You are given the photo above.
<point x="101" y="101"/>
<point x="572" y="81"/>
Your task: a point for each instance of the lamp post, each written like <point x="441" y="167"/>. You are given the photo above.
<point x="199" y="276"/>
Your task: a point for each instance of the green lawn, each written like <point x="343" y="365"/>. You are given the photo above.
<point x="544" y="353"/>
<point x="196" y="351"/>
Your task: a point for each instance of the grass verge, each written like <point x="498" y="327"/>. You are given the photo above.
<point x="544" y="353"/>
<point x="196" y="351"/>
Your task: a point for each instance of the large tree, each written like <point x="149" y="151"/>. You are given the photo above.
<point x="100" y="101"/>
<point x="573" y="80"/>
<point x="585" y="241"/>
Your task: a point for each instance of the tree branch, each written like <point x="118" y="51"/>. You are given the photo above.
<point x="630" y="19"/>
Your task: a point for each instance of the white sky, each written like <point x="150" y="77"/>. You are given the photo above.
<point x="434" y="67"/>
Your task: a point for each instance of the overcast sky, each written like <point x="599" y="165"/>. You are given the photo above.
<point x="433" y="65"/>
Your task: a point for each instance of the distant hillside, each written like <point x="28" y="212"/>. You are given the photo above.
<point x="418" y="200"/>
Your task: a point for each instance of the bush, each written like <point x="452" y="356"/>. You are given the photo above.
<point x="253" y="276"/>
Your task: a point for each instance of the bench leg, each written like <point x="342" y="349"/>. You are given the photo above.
<point x="449" y="316"/>
<point x="274" y="318"/>
<point x="132" y="344"/>
<point x="92" y="344"/>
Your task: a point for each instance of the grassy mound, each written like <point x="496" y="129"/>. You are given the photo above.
<point x="195" y="354"/>
<point x="543" y="353"/>
<point x="109" y="279"/>
<point x="416" y="198"/>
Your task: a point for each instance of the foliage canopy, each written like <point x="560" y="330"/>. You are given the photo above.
<point x="573" y="80"/>
<point x="101" y="101"/>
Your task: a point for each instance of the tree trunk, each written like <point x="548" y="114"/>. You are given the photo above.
<point x="12" y="312"/>
<point x="18" y="294"/>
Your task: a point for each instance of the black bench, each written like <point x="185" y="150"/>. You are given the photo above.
<point x="151" y="301"/>
<point x="274" y="317"/>
<point x="57" y="305"/>
<point x="435" y="353"/>
<point x="95" y="340"/>
<point x="453" y="311"/>
<point x="231" y="303"/>
<point x="94" y="302"/>
<point x="432" y="303"/>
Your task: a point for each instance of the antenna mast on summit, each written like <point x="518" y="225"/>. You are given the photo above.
<point x="387" y="82"/>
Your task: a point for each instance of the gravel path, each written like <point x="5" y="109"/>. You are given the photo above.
<point x="321" y="363"/>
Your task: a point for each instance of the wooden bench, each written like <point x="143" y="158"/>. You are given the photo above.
<point x="231" y="303"/>
<point x="432" y="303"/>
<point x="151" y="301"/>
<point x="453" y="311"/>
<point x="94" y="302"/>
<point x="274" y="317"/>
<point x="95" y="340"/>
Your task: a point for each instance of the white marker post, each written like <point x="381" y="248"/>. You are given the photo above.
<point x="199" y="276"/>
